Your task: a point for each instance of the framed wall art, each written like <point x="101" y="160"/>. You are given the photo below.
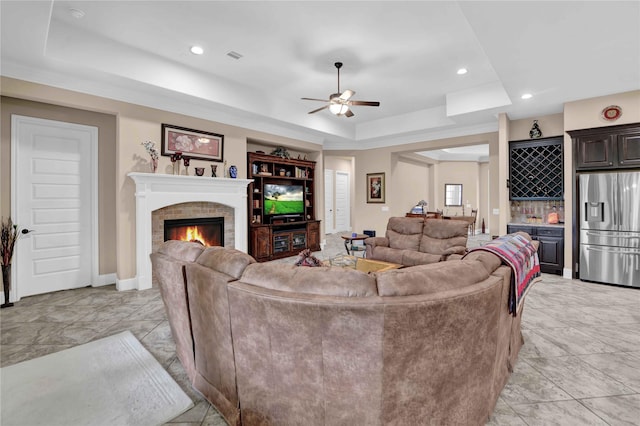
<point x="375" y="188"/>
<point x="191" y="143"/>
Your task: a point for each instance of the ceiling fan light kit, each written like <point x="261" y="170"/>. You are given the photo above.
<point x="340" y="102"/>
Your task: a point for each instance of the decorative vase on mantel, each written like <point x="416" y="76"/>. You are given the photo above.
<point x="6" y="284"/>
<point x="154" y="165"/>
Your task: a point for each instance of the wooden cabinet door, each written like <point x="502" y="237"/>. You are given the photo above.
<point x="551" y="254"/>
<point x="629" y="149"/>
<point x="595" y="151"/>
<point x="313" y="236"/>
<point x="261" y="242"/>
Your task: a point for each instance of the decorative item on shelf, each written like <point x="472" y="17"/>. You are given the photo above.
<point x="199" y="171"/>
<point x="150" y="147"/>
<point x="282" y="172"/>
<point x="281" y="152"/>
<point x="175" y="160"/>
<point x="214" y="170"/>
<point x="233" y="172"/>
<point x="535" y="131"/>
<point x="9" y="235"/>
<point x="225" y="171"/>
<point x="288" y="173"/>
<point x="186" y="161"/>
<point x="254" y="168"/>
<point x="611" y="113"/>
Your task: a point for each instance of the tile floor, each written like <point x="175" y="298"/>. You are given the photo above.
<point x="580" y="364"/>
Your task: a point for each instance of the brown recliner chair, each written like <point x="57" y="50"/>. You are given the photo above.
<point x="413" y="241"/>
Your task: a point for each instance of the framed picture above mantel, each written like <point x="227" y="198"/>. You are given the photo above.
<point x="192" y="143"/>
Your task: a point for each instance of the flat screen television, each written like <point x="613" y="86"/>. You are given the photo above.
<point x="283" y="199"/>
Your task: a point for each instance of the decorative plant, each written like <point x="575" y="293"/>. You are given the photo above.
<point x="9" y="236"/>
<point x="151" y="149"/>
<point x="281" y="152"/>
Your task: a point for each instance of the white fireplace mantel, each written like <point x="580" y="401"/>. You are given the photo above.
<point x="155" y="191"/>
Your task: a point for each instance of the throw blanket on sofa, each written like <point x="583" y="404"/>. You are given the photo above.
<point x="517" y="252"/>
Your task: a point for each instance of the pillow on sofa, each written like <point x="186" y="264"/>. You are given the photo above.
<point x="432" y="278"/>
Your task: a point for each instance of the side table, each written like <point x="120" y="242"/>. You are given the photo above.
<point x="348" y="243"/>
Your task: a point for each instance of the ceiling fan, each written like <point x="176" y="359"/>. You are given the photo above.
<point x="339" y="103"/>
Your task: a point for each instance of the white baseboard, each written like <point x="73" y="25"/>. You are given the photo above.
<point x="567" y="273"/>
<point x="105" y="279"/>
<point x="128" y="284"/>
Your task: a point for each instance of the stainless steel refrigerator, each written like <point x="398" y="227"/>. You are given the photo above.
<point x="610" y="228"/>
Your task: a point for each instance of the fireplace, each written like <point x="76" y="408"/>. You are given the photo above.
<point x="155" y="192"/>
<point x="209" y="230"/>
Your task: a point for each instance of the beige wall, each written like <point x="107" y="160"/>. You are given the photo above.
<point x="132" y="125"/>
<point x="413" y="183"/>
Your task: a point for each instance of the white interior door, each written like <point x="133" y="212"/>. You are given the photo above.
<point x="54" y="196"/>
<point x="342" y="197"/>
<point x="328" y="202"/>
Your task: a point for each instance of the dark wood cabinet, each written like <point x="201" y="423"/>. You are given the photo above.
<point x="281" y="207"/>
<point x="313" y="229"/>
<point x="536" y="169"/>
<point x="551" y="248"/>
<point x="260" y="246"/>
<point x="602" y="148"/>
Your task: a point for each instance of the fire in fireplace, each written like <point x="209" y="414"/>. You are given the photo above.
<point x="208" y="231"/>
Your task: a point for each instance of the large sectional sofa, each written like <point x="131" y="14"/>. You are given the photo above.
<point x="276" y="344"/>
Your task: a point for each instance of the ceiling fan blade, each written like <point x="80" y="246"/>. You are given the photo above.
<point x="319" y="109"/>
<point x="314" y="99"/>
<point x="347" y="94"/>
<point x="365" y="103"/>
<point x="349" y="113"/>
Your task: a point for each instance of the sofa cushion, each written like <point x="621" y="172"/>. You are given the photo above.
<point x="404" y="232"/>
<point x="181" y="250"/>
<point x="432" y="278"/>
<point x="328" y="281"/>
<point x="412" y="258"/>
<point x="228" y="261"/>
<point x="444" y="236"/>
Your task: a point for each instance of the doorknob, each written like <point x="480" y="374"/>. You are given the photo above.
<point x="26" y="231"/>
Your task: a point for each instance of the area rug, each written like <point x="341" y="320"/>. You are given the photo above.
<point x="111" y="381"/>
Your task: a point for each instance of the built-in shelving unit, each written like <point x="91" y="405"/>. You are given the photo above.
<point x="282" y="220"/>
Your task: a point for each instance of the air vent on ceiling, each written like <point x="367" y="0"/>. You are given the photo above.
<point x="234" y="55"/>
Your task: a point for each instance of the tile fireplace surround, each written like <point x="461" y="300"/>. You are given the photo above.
<point x="155" y="191"/>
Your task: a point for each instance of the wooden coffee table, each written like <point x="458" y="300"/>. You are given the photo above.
<point x="362" y="264"/>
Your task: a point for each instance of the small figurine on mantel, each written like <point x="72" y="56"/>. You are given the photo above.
<point x="535" y="131"/>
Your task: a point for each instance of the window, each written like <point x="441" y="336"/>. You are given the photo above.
<point x="452" y="194"/>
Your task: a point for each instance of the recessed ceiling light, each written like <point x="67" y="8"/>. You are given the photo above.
<point x="76" y="13"/>
<point x="197" y="50"/>
<point x="462" y="71"/>
<point x="527" y="96"/>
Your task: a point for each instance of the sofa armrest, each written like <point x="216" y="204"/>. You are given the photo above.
<point x="377" y="242"/>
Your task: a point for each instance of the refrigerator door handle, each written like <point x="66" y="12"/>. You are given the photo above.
<point x="625" y="237"/>
<point x="635" y="252"/>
